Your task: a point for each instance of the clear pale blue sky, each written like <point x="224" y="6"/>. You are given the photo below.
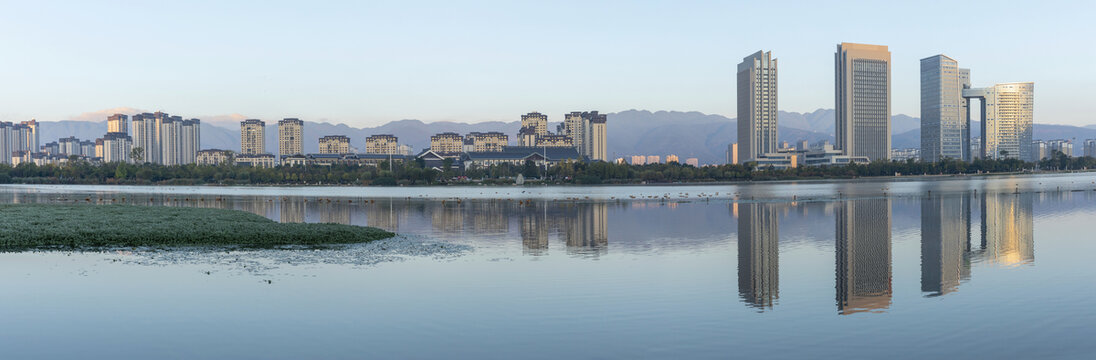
<point x="365" y="63"/>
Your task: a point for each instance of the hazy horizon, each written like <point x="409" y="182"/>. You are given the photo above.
<point x="367" y="64"/>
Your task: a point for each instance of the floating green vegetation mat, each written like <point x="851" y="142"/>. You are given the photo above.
<point x="32" y="226"/>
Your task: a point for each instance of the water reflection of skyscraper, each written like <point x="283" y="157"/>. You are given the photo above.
<point x="758" y="253"/>
<point x="1007" y="229"/>
<point x="945" y="243"/>
<point x="586" y="228"/>
<point x="863" y="255"/>
<point x="534" y="229"/>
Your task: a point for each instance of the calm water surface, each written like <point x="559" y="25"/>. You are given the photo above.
<point x="951" y="268"/>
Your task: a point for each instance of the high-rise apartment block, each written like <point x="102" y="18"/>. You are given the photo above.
<point x="945" y="125"/>
<point x="1090" y="147"/>
<point x="536" y="121"/>
<point x="385" y="144"/>
<point x="116" y="147"/>
<point x="863" y="100"/>
<point x="334" y="144"/>
<point x="1007" y="114"/>
<point x="757" y="105"/>
<point x="587" y="132"/>
<point x="118" y="123"/>
<point x="290" y="137"/>
<point x="447" y="143"/>
<point x="252" y="137"/>
<point x="163" y="139"/>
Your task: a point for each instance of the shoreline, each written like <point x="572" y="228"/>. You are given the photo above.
<point x="535" y="184"/>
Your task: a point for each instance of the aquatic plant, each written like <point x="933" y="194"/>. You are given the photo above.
<point x="30" y="226"/>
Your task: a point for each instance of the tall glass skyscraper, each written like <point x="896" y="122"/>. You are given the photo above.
<point x="757" y="111"/>
<point x="945" y="125"/>
<point x="863" y="100"/>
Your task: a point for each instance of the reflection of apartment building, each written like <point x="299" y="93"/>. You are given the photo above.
<point x="586" y="229"/>
<point x="1007" y="228"/>
<point x="534" y="231"/>
<point x="292" y="211"/>
<point x="758" y="254"/>
<point x="447" y="217"/>
<point x="383" y="215"/>
<point x="863" y="255"/>
<point x="945" y="243"/>
<point x="489" y="217"/>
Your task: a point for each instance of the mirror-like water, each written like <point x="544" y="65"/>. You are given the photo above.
<point x="968" y="268"/>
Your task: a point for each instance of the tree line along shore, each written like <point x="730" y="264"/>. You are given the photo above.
<point x="416" y="173"/>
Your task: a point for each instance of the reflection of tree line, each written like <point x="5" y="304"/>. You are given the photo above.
<point x="863" y="246"/>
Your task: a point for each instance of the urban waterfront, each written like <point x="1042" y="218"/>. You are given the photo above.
<point x="967" y="267"/>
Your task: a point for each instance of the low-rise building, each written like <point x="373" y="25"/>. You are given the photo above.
<point x="214" y="157"/>
<point x="340" y="159"/>
<point x="256" y="160"/>
<point x="824" y="155"/>
<point x="519" y="155"/>
<point x="555" y="140"/>
<point x="905" y="154"/>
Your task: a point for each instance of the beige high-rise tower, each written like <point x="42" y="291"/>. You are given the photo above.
<point x="1007" y="117"/>
<point x="757" y="111"/>
<point x="252" y="136"/>
<point x="862" y="85"/>
<point x="117" y="124"/>
<point x="290" y="133"/>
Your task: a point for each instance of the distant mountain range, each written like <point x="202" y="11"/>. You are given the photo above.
<point x="631" y="132"/>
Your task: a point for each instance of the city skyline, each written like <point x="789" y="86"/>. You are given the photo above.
<point x="211" y="74"/>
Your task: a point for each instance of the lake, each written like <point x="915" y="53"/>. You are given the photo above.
<point x="950" y="267"/>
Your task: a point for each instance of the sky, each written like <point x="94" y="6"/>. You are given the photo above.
<point x="365" y="63"/>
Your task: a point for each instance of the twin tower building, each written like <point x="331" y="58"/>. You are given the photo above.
<point x="862" y="105"/>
